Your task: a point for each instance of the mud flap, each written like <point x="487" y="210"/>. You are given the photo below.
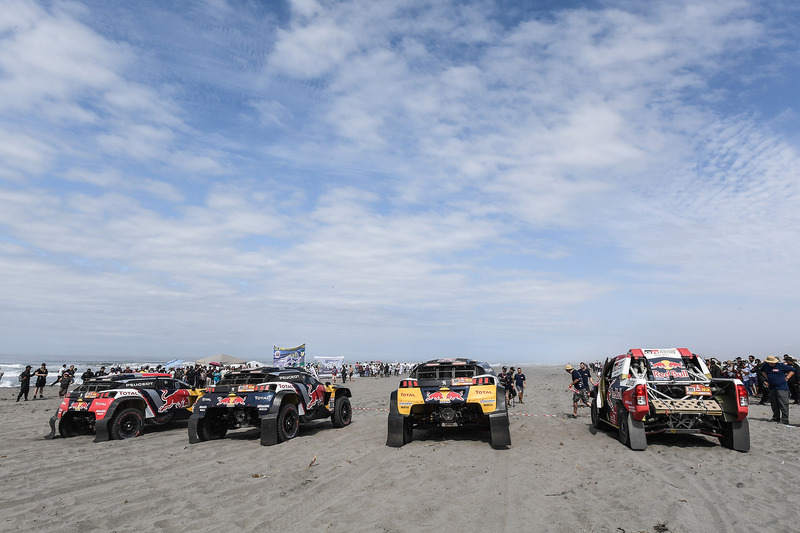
<point x="194" y="438"/>
<point x="53" y="421"/>
<point x="395" y="436"/>
<point x="740" y="436"/>
<point x="269" y="429"/>
<point x="636" y="434"/>
<point x="396" y="423"/>
<point x="499" y="429"/>
<point x="498" y="421"/>
<point x="101" y="429"/>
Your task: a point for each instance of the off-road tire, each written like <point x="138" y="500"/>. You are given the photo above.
<point x="162" y="419"/>
<point x="288" y="422"/>
<point x="622" y="424"/>
<point x="127" y="424"/>
<point x="408" y="430"/>
<point x="212" y="426"/>
<point x="596" y="423"/>
<point x="72" y="425"/>
<point x="342" y="412"/>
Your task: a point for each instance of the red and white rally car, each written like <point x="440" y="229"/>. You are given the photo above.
<point x="118" y="406"/>
<point x="648" y="391"/>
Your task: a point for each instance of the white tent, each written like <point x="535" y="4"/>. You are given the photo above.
<point x="223" y="359"/>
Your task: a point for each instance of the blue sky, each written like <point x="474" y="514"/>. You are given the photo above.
<point x="512" y="181"/>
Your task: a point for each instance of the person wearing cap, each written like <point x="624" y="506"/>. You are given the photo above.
<point x="24" y="383"/>
<point x="776" y="377"/>
<point x="579" y="392"/>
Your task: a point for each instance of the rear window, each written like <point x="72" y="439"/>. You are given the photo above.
<point x="249" y="377"/>
<point x="97" y="386"/>
<point x="668" y="369"/>
<point x="443" y="371"/>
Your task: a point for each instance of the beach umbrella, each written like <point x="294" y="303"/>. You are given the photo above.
<point x="214" y="363"/>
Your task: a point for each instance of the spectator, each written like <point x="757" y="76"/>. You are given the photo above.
<point x="66" y="381"/>
<point x="41" y="380"/>
<point x="794" y="382"/>
<point x="777" y="375"/>
<point x="578" y="392"/>
<point x="24" y="383"/>
<point x="520" y="382"/>
<point x="60" y="372"/>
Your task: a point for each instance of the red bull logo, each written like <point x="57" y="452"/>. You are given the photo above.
<point x="177" y="400"/>
<point x="445" y="396"/>
<point x="316" y="395"/>
<point x="230" y="401"/>
<point x="666" y="364"/>
<point x="80" y="405"/>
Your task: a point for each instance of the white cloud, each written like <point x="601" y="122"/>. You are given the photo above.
<point x="385" y="173"/>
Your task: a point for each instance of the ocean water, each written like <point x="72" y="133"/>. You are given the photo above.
<point x="12" y="366"/>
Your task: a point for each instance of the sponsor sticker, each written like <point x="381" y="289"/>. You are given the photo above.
<point x="698" y="390"/>
<point x="230" y="401"/>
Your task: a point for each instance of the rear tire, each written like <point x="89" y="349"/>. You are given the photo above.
<point x="408" y="430"/>
<point x="212" y="427"/>
<point x="595" y="414"/>
<point x="162" y="419"/>
<point x="622" y="422"/>
<point x="342" y="412"/>
<point x="127" y="424"/>
<point x="288" y="422"/>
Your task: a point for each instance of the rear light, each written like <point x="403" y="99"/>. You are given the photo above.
<point x="641" y="394"/>
<point x="409" y="383"/>
<point x="210" y="389"/>
<point x="482" y="381"/>
<point x="741" y="392"/>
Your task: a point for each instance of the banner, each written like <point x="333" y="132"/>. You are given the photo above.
<point x="326" y="364"/>
<point x="283" y="357"/>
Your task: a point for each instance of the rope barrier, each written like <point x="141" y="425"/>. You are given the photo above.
<point x="509" y="414"/>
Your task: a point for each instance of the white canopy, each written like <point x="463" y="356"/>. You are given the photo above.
<point x="223" y="359"/>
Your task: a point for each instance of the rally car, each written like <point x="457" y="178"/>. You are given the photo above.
<point x="273" y="399"/>
<point x="118" y="406"/>
<point x="449" y="393"/>
<point x="649" y="391"/>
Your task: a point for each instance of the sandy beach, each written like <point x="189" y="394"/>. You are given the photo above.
<point x="558" y="475"/>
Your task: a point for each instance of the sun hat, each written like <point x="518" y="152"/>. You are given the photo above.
<point x="568" y="367"/>
<point x="771" y="359"/>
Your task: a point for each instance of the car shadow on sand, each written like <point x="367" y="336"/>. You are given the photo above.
<point x="680" y="440"/>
